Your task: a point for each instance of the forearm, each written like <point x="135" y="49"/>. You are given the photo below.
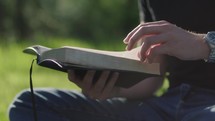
<point x="144" y="89"/>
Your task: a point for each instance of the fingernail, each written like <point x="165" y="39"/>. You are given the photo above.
<point x="125" y="41"/>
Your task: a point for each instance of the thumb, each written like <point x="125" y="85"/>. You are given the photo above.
<point x="155" y="52"/>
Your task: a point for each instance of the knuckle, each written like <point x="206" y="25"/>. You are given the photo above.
<point x="164" y="21"/>
<point x="167" y="26"/>
<point x="155" y="51"/>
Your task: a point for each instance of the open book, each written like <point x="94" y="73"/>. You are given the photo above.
<point x="82" y="59"/>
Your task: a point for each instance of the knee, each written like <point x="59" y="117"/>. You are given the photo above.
<point x="22" y="102"/>
<point x="22" y="97"/>
<point x="207" y="114"/>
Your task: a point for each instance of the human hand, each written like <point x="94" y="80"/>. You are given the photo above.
<point x="162" y="37"/>
<point x="102" y="89"/>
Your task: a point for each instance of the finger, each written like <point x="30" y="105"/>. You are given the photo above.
<point x="100" y="84"/>
<point x="126" y="40"/>
<point x="156" y="52"/>
<point x="73" y="78"/>
<point x="151" y="42"/>
<point x="110" y="86"/>
<point x="87" y="80"/>
<point x="71" y="75"/>
<point x="134" y="38"/>
<point x="142" y="32"/>
<point x="149" y="30"/>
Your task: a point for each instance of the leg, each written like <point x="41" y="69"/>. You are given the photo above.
<point x="64" y="105"/>
<point x="198" y="106"/>
<point x="207" y="114"/>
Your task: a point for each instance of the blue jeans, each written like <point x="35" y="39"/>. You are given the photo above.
<point x="183" y="103"/>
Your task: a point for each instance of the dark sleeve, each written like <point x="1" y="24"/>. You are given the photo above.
<point x="145" y="11"/>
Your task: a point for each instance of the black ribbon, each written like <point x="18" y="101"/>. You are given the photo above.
<point x="32" y="93"/>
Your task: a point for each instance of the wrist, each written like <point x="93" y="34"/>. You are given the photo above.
<point x="203" y="46"/>
<point x="209" y="39"/>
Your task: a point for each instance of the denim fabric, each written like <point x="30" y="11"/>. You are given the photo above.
<point x="183" y="103"/>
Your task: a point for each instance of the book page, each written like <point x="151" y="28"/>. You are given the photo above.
<point x="132" y="54"/>
<point x="123" y="59"/>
